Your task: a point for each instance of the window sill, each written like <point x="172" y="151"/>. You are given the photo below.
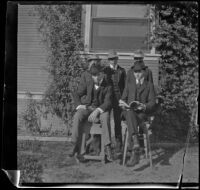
<point x="103" y="55"/>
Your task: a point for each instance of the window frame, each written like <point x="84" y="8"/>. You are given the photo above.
<point x="117" y="19"/>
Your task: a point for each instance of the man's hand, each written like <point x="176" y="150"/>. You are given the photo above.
<point x="92" y="117"/>
<point x="141" y="107"/>
<point x="123" y="104"/>
<point x="81" y="107"/>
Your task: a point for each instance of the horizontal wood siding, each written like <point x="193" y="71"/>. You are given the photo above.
<point x="153" y="65"/>
<point x="32" y="56"/>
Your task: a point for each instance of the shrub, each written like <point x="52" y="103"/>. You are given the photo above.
<point x="30" y="116"/>
<point x="30" y="169"/>
<point x="29" y="165"/>
<point x="60" y="28"/>
<point x="176" y="38"/>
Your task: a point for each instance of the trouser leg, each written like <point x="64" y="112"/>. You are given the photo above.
<point x="117" y="121"/>
<point x="132" y="123"/>
<point x="133" y="119"/>
<point x="105" y="121"/>
<point x="78" y="121"/>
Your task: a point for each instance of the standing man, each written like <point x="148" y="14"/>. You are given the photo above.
<point x="117" y="76"/>
<point x="137" y="89"/>
<point x="93" y="102"/>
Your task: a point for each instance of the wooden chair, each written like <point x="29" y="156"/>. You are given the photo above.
<point x="95" y="129"/>
<point x="144" y="137"/>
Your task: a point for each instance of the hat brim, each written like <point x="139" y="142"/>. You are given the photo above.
<point x="112" y="57"/>
<point x="138" y="58"/>
<point x="94" y="59"/>
<point x="139" y="69"/>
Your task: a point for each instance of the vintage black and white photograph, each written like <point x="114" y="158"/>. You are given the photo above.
<point x="107" y="93"/>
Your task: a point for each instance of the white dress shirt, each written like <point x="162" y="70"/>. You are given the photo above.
<point x="114" y="67"/>
<point x="140" y="81"/>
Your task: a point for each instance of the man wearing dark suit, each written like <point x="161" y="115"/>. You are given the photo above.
<point x="93" y="102"/>
<point x="137" y="88"/>
<point x="117" y="76"/>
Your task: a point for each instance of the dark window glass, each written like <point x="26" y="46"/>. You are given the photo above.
<point x="123" y="11"/>
<point x="127" y="35"/>
<point x="120" y="27"/>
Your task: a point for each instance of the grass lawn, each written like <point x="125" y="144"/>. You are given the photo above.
<point x="50" y="162"/>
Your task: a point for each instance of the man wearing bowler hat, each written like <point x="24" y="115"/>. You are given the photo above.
<point x="139" y="57"/>
<point x="93" y="59"/>
<point x="137" y="88"/>
<point x="117" y="76"/>
<point x="93" y="103"/>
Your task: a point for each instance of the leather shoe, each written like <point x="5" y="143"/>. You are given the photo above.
<point x="135" y="158"/>
<point x="81" y="158"/>
<point x="74" y="151"/>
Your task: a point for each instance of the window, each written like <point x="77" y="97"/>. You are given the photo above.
<point x="120" y="27"/>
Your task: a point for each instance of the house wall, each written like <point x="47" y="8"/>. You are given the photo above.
<point x="31" y="55"/>
<point x="31" y="59"/>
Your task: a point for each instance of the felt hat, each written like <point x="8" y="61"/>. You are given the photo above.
<point x="138" y="55"/>
<point x="95" y="68"/>
<point x="112" y="54"/>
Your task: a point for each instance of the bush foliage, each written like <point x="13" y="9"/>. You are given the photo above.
<point x="29" y="164"/>
<point x="60" y="26"/>
<point x="30" y="116"/>
<point x="176" y="39"/>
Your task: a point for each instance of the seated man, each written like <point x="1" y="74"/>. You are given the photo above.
<point x="137" y="88"/>
<point x="139" y="56"/>
<point x="93" y="102"/>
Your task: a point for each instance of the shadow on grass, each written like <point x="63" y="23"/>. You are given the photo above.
<point x="161" y="157"/>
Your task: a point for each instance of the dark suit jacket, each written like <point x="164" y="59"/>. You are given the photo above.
<point x="121" y="79"/>
<point x="147" y="93"/>
<point x="83" y="95"/>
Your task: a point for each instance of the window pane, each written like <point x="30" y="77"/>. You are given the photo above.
<point x="121" y="34"/>
<point x="124" y="11"/>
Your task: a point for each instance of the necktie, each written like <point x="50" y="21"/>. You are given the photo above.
<point x="138" y="84"/>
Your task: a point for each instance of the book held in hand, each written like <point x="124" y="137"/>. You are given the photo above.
<point x="132" y="105"/>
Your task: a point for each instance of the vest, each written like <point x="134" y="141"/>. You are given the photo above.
<point x="95" y="93"/>
<point x="115" y="85"/>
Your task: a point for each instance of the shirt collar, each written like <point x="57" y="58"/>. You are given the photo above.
<point x="141" y="81"/>
<point x="99" y="84"/>
<point x="114" y="67"/>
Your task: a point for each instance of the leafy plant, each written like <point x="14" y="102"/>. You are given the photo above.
<point x="29" y="164"/>
<point x="30" y="169"/>
<point x="176" y="39"/>
<point x="60" y="29"/>
<point x="30" y="116"/>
